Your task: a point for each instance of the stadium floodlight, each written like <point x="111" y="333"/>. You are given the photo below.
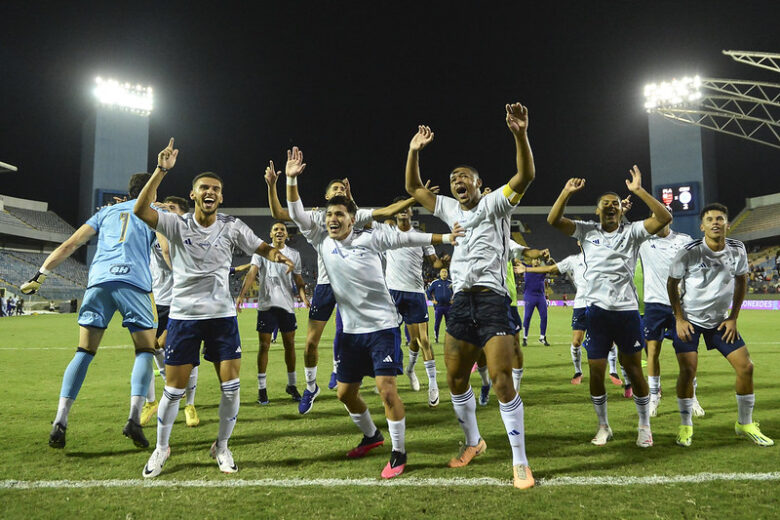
<point x="672" y="93"/>
<point x="124" y="96"/>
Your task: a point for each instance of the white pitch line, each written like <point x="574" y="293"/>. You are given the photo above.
<point x="398" y="482"/>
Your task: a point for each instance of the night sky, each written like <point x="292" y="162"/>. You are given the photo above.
<point x="349" y="82"/>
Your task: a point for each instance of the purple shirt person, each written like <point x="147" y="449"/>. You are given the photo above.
<point x="534" y="298"/>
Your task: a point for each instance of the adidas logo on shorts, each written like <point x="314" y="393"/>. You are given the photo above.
<point x="238" y="349"/>
<point x="387" y="359"/>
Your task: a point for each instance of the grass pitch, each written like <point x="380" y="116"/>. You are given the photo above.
<point x="276" y="445"/>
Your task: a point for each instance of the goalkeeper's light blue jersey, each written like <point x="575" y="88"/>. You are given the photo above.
<point x="123" y="249"/>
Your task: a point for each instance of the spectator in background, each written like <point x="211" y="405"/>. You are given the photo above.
<point x="20" y="306"/>
<point x="52" y="306"/>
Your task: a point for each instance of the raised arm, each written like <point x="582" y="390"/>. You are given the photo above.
<point x="547" y="269"/>
<point x="166" y="160"/>
<point x="80" y="237"/>
<point x="414" y="184"/>
<point x="517" y="121"/>
<point x="293" y="169"/>
<point x="277" y="210"/>
<point x="249" y="280"/>
<point x="382" y="214"/>
<point x="661" y="215"/>
<point x="556" y="218"/>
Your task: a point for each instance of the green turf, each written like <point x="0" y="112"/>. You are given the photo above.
<point x="275" y="442"/>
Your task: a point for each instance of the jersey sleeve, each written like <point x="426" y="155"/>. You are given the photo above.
<point x="445" y="209"/>
<point x="742" y="266"/>
<point x="167" y="224"/>
<point x="497" y="202"/>
<point x="310" y="223"/>
<point x="582" y="228"/>
<point x="384" y="237"/>
<point x="638" y="232"/>
<point x="679" y="265"/>
<point x="256" y="260"/>
<point x="565" y="266"/>
<point x="429" y="251"/>
<point x="245" y="238"/>
<point x="516" y="250"/>
<point x="298" y="266"/>
<point x="94" y="220"/>
<point x="363" y="217"/>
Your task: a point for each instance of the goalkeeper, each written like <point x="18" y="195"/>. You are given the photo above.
<point x="119" y="280"/>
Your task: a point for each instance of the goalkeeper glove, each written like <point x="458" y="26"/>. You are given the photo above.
<point x="34" y="283"/>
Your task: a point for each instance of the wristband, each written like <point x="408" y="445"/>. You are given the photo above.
<point x="292" y="181"/>
<point x="446" y="239"/>
<point x="164" y="170"/>
<point x="44" y="271"/>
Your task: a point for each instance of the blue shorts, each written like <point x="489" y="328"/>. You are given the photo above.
<point x="103" y="300"/>
<point x="370" y="354"/>
<point x="713" y="338"/>
<point x="514" y="317"/>
<point x="220" y="338"/>
<point x="275" y="318"/>
<point x="658" y="321"/>
<point x="322" y="303"/>
<point x="607" y="327"/>
<point x="412" y="306"/>
<point x="162" y="318"/>
<point x="579" y="319"/>
<point x="475" y="317"/>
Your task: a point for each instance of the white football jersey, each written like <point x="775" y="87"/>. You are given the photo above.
<point x="162" y="277"/>
<point x="574" y="267"/>
<point x="275" y="284"/>
<point x="362" y="218"/>
<point x="356" y="270"/>
<point x="481" y="256"/>
<point x="610" y="259"/>
<point x="707" y="286"/>
<point x="201" y="258"/>
<point x="403" y="271"/>
<point x="516" y="250"/>
<point x="656" y="253"/>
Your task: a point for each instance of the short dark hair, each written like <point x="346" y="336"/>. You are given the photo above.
<point x="332" y="182"/>
<point x="210" y="175"/>
<point x="183" y="203"/>
<point x="137" y="183"/>
<point x="340" y="200"/>
<point x="715" y="206"/>
<point x="275" y="222"/>
<point x="605" y="194"/>
<point x="467" y="167"/>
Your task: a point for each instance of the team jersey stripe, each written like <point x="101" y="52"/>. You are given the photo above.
<point x="691" y="245"/>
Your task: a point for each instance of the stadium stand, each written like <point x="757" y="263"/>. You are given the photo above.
<point x="41" y="220"/>
<point x="759" y="220"/>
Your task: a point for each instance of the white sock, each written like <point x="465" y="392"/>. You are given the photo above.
<point x="228" y="410"/>
<point x="397" y="431"/>
<point x="63" y="409"/>
<point x="430" y="369"/>
<point x="576" y="358"/>
<point x="192" y="384"/>
<point x="166" y="414"/>
<point x="600" y="406"/>
<point x="260" y="381"/>
<point x="292" y="379"/>
<point x="136" y="405"/>
<point x="512" y="415"/>
<point x="684" y="404"/>
<point x="694" y="388"/>
<point x="364" y="422"/>
<point x="612" y="360"/>
<point x="335" y="365"/>
<point x="517" y="377"/>
<point x="465" y="406"/>
<point x="655" y="385"/>
<point x="643" y="409"/>
<point x="151" y="394"/>
<point x="745" y="405"/>
<point x="483" y="373"/>
<point x="310" y="373"/>
<point x="159" y="360"/>
<point x="412" y="359"/>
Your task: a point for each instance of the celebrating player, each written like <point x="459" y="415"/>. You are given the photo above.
<point x="479" y="317"/>
<point x="202" y="310"/>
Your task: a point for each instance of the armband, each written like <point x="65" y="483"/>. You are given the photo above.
<point x="511" y="194"/>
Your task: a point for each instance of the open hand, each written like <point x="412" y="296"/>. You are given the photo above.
<point x="422" y="138"/>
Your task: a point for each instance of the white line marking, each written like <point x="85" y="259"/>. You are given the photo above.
<point x="402" y="482"/>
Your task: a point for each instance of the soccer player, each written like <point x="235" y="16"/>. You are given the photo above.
<point x="202" y="310"/>
<point x="574" y="267"/>
<point x="711" y="273"/>
<point x="371" y="341"/>
<point x="403" y="277"/>
<point x="479" y="318"/>
<point x="534" y="298"/>
<point x="162" y="286"/>
<point x="655" y="255"/>
<point x="610" y="249"/>
<point x="119" y="280"/>
<point x="323" y="301"/>
<point x="276" y="308"/>
<point x="440" y="293"/>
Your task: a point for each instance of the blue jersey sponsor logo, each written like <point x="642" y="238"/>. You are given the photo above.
<point x="119" y="269"/>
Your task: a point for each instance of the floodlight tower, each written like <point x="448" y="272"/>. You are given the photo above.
<point x="680" y="162"/>
<point x="115" y="144"/>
